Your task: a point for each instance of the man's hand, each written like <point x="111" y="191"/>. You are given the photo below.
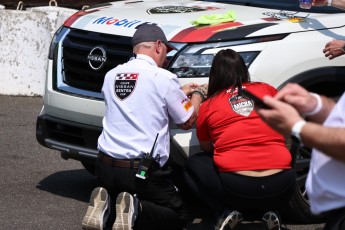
<point x="298" y="97"/>
<point x="334" y="49"/>
<point x="320" y="2"/>
<point x="281" y="116"/>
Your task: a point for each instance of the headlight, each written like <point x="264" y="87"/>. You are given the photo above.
<point x="196" y="60"/>
<point x="55" y="40"/>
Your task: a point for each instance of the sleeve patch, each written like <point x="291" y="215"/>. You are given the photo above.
<point x="188" y="105"/>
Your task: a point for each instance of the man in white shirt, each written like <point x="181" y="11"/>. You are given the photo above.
<point x="325" y="133"/>
<point x="334" y="48"/>
<point x="141" y="99"/>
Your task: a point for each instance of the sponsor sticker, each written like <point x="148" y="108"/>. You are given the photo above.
<point x="297" y="20"/>
<point x="188" y="105"/>
<point x="241" y="105"/>
<point x="174" y="9"/>
<point x="125" y="84"/>
<point x="111" y="21"/>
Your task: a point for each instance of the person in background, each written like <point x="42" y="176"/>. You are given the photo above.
<point x="141" y="99"/>
<point x="335" y="3"/>
<point x="334" y="48"/>
<point x="324" y="132"/>
<point x="245" y="165"/>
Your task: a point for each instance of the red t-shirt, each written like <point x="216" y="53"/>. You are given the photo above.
<point x="241" y="139"/>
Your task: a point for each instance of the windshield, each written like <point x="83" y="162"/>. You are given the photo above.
<point x="290" y="5"/>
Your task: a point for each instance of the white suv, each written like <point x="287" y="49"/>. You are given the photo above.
<point x="279" y="44"/>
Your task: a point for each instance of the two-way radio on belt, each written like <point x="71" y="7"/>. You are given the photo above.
<point x="146" y="163"/>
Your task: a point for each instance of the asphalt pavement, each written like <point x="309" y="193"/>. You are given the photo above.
<point x="40" y="190"/>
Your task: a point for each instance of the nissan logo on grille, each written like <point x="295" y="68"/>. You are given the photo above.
<point x="97" y="57"/>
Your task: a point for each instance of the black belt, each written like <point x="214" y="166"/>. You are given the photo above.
<point x="130" y="163"/>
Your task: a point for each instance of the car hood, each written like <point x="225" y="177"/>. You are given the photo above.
<point x="175" y="17"/>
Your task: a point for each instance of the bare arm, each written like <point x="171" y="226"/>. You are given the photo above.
<point x="333" y="48"/>
<point x="327" y="106"/>
<point x="329" y="140"/>
<point x="283" y="116"/>
<point x="335" y="3"/>
<point x="304" y="102"/>
<point x="196" y="100"/>
<point x="339" y="4"/>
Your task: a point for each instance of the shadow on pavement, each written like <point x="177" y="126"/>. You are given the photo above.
<point x="78" y="184"/>
<point x="74" y="184"/>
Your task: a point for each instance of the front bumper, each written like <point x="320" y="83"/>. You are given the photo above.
<point x="74" y="140"/>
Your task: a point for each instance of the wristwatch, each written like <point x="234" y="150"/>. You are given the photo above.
<point x="296" y="130"/>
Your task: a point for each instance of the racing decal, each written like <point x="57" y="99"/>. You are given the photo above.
<point x="241" y="105"/>
<point x="125" y="84"/>
<point x="116" y="22"/>
<point x="270" y="19"/>
<point x="193" y="34"/>
<point x="223" y="31"/>
<point x="286" y="15"/>
<point x="72" y="19"/>
<point x="177" y="9"/>
<point x="241" y="32"/>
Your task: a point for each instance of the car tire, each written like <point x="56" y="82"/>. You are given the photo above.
<point x="299" y="205"/>
<point x="90" y="167"/>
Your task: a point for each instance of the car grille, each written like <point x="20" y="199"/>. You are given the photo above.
<point x="76" y="70"/>
<point x="67" y="132"/>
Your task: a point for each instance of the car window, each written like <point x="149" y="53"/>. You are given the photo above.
<point x="290" y="5"/>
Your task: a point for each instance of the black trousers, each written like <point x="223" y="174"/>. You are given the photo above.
<point x="162" y="204"/>
<point x="254" y="195"/>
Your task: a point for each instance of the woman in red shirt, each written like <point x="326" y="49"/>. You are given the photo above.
<point x="245" y="165"/>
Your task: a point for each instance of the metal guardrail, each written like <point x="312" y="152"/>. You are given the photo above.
<point x="20" y="5"/>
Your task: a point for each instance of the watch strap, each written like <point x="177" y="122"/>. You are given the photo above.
<point x="296" y="129"/>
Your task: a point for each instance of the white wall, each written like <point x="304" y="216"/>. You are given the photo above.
<point x="24" y="42"/>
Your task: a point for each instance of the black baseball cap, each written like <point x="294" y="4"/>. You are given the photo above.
<point x="150" y="33"/>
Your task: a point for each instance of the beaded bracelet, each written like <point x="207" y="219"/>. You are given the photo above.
<point x="200" y="93"/>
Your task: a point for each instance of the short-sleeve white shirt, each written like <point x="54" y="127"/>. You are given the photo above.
<point x="325" y="183"/>
<point x="140" y="100"/>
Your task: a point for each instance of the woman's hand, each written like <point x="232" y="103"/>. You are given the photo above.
<point x="189" y="88"/>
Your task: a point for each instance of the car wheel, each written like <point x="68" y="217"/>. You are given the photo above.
<point x="299" y="206"/>
<point x="90" y="167"/>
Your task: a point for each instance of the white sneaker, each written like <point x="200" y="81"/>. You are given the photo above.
<point x="97" y="211"/>
<point x="127" y="208"/>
